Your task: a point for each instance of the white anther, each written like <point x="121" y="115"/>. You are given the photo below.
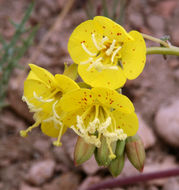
<point x="95" y="63"/>
<point x="95" y="43"/>
<point x="31" y="106"/>
<point x="87" y="51"/>
<point x="86" y="62"/>
<point x="54" y="111"/>
<point x="104" y="125"/>
<point x="114" y="53"/>
<point x="40" y="98"/>
<point x="110" y="49"/>
<point x="80" y="124"/>
<point x="110" y="67"/>
<point x="104" y="39"/>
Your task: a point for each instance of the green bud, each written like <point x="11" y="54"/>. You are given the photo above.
<point x="103" y="155"/>
<point x="120" y="148"/>
<point x="71" y="71"/>
<point x="135" y="152"/>
<point x="83" y="151"/>
<point x="117" y="165"/>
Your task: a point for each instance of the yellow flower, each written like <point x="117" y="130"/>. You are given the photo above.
<point x="106" y="53"/>
<point x="99" y="112"/>
<point x="42" y="92"/>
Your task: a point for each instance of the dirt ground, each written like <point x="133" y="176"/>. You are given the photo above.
<point x="33" y="163"/>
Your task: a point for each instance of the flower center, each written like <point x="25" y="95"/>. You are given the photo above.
<point x="108" y="54"/>
<point x="95" y="122"/>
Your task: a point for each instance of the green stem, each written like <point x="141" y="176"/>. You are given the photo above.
<point x="165" y="44"/>
<point x="172" y="50"/>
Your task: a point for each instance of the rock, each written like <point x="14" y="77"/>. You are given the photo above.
<point x="174" y="63"/>
<point x="166" y="8"/>
<point x="68" y="181"/>
<point x="24" y="186"/>
<point x="40" y="172"/>
<point x="167" y="123"/>
<point x="156" y="23"/>
<point x="89" y="181"/>
<point x="136" y="19"/>
<point x="175" y="36"/>
<point x="146" y="133"/>
<point x="90" y="166"/>
<point x="172" y="183"/>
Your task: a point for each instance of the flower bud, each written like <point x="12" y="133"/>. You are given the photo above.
<point x="120" y="146"/>
<point x="103" y="155"/>
<point x="135" y="152"/>
<point x="83" y="151"/>
<point x="117" y="165"/>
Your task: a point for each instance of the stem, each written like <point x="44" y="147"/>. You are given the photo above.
<point x="134" y="179"/>
<point x="165" y="44"/>
<point x="172" y="50"/>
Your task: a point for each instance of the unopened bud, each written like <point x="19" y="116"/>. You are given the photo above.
<point x="104" y="154"/>
<point x="117" y="165"/>
<point x="83" y="151"/>
<point x="120" y="146"/>
<point x="135" y="152"/>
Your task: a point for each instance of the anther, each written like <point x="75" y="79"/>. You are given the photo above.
<point x="86" y="62"/>
<point x="110" y="49"/>
<point x="114" y="53"/>
<point x="87" y="51"/>
<point x="94" y="41"/>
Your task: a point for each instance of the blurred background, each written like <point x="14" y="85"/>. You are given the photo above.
<point x="33" y="163"/>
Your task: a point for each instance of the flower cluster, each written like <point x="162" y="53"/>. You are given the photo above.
<point x="102" y="117"/>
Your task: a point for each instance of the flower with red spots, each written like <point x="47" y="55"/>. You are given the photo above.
<point x="97" y="113"/>
<point x="107" y="55"/>
<point x="42" y="93"/>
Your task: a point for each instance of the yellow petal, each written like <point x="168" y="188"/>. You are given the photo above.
<point x="77" y="99"/>
<point x="34" y="89"/>
<point x="127" y="122"/>
<point x="69" y="118"/>
<point x="112" y="99"/>
<point x="65" y="83"/>
<point x="83" y="34"/>
<point x="42" y="74"/>
<point x="134" y="55"/>
<point x="107" y="78"/>
<point x="50" y="129"/>
<point x="111" y="29"/>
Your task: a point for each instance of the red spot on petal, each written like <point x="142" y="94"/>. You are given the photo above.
<point x="90" y="95"/>
<point x="99" y="95"/>
<point x="119" y="33"/>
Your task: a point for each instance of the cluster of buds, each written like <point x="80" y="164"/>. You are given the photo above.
<point x="133" y="147"/>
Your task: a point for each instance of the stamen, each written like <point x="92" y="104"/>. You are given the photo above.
<point x="57" y="142"/>
<point x="95" y="43"/>
<point x="96" y="63"/>
<point x="110" y="49"/>
<point x="86" y="62"/>
<point x="31" y="106"/>
<point x="114" y="53"/>
<point x="104" y="40"/>
<point x="54" y="111"/>
<point x="24" y="133"/>
<point x="87" y="51"/>
<point x="40" y="98"/>
<point x="110" y="67"/>
<point x="112" y="155"/>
